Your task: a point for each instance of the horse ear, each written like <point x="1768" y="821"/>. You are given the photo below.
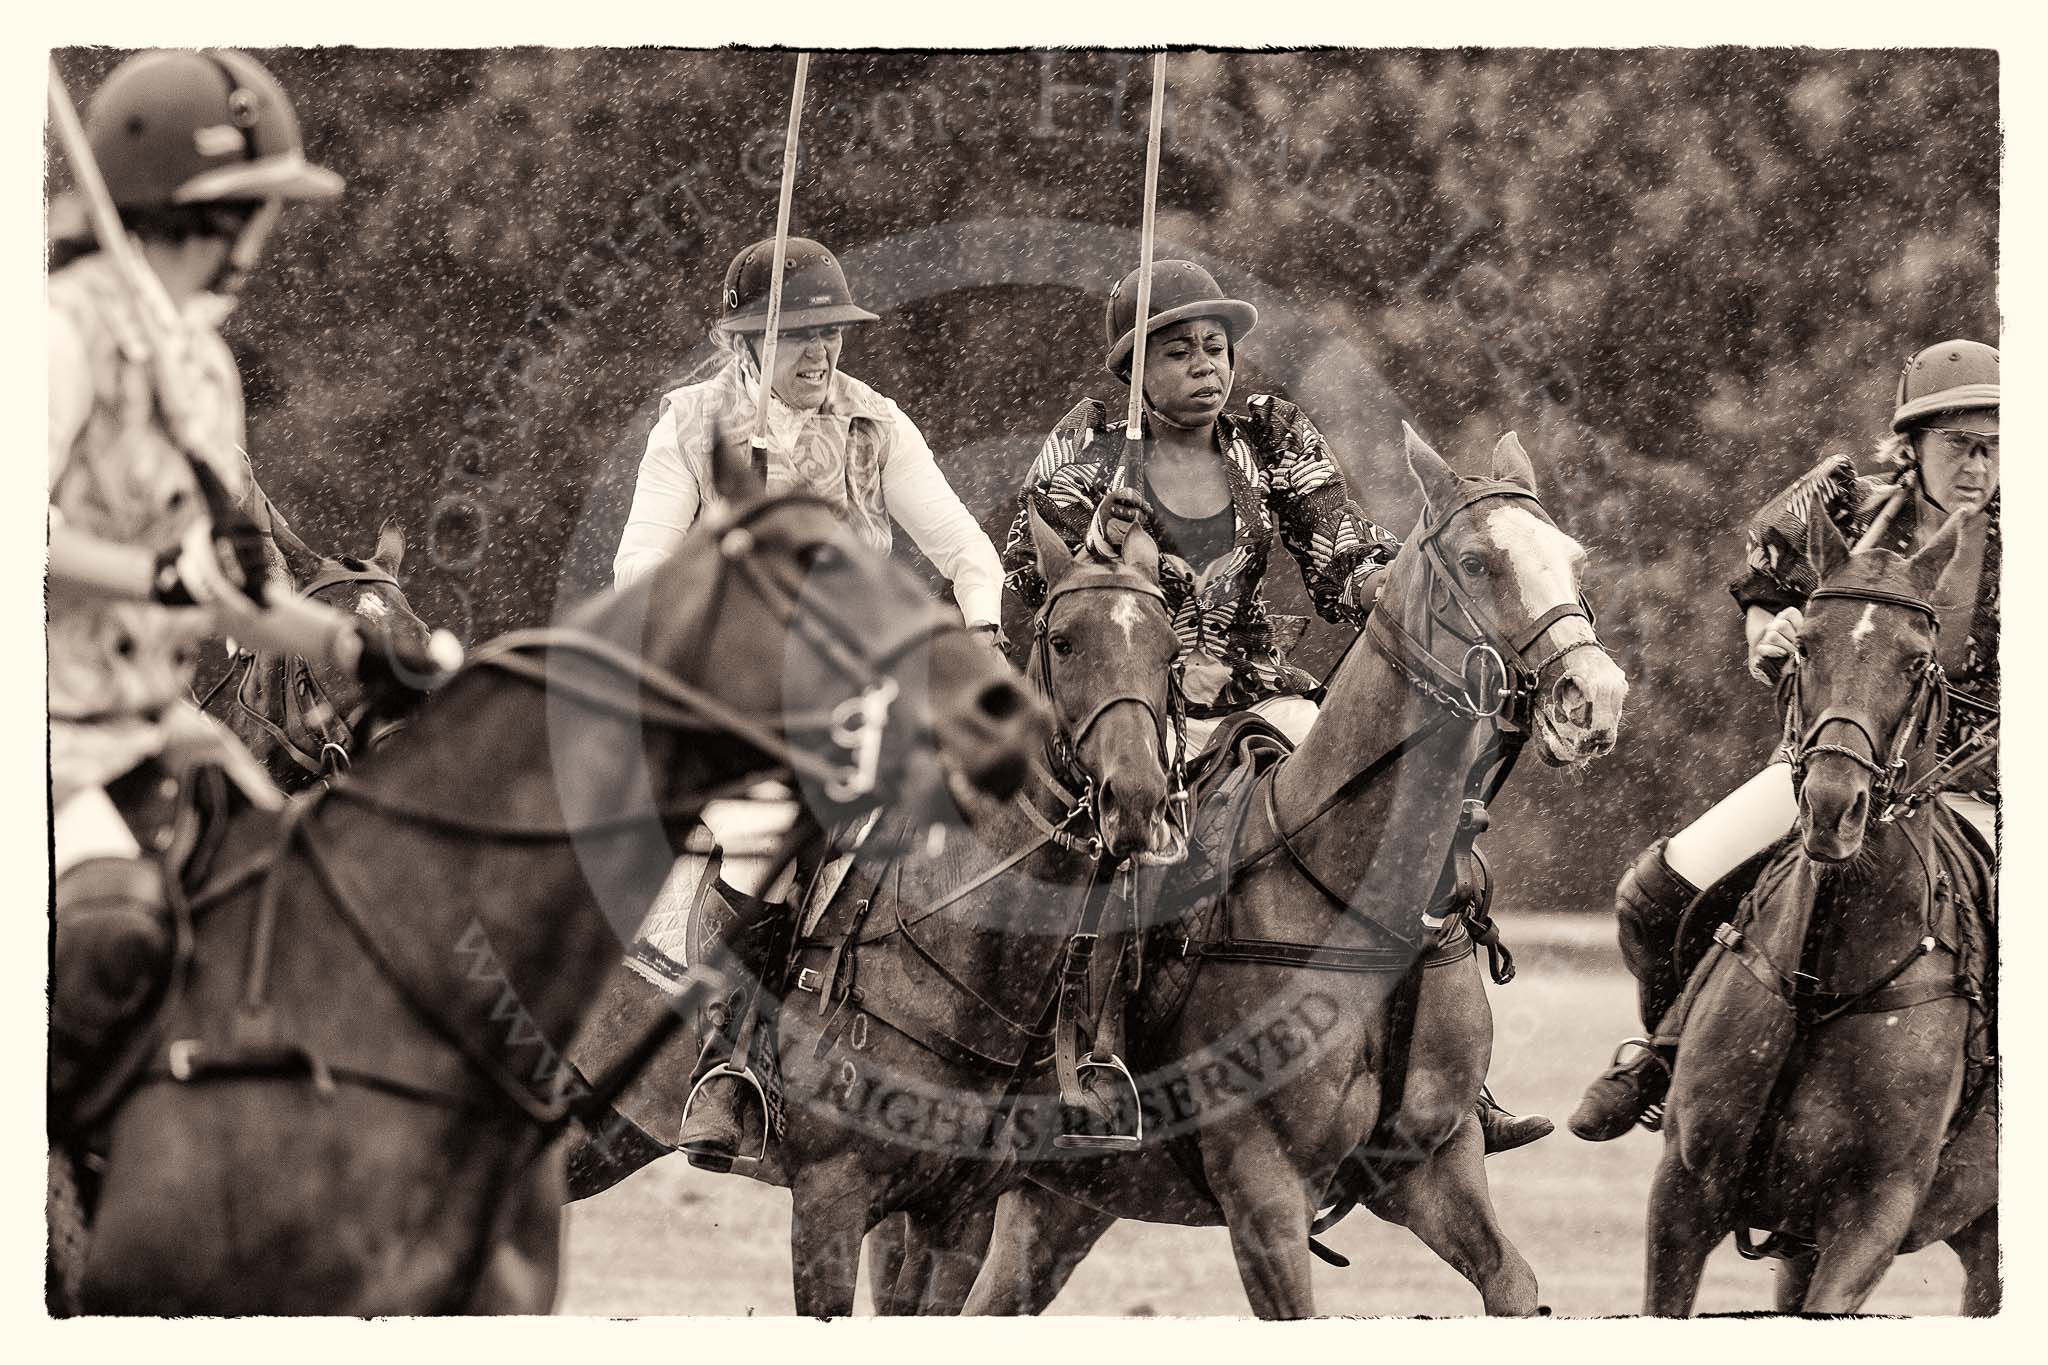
<point x="390" y="552"/>
<point x="1439" y="482"/>
<point x="1055" y="560"/>
<point x="1826" y="551"/>
<point x="1929" y="567"/>
<point x="300" y="561"/>
<point x="1511" y="464"/>
<point x="732" y="462"/>
<point x="1141" y="552"/>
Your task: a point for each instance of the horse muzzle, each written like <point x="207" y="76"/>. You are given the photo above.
<point x="1578" y="718"/>
<point x="1834" y="809"/>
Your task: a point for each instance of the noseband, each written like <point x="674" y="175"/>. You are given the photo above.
<point x="1066" y="748"/>
<point x="1494" y="679"/>
<point x="1920" y="720"/>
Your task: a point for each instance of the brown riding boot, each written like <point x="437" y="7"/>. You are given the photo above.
<point x="1504" y="1131"/>
<point x="724" y="1105"/>
<point x="1650" y="905"/>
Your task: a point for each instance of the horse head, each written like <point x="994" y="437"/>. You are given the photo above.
<point x="1103" y="650"/>
<point x="1495" y="604"/>
<point x="1866" y="693"/>
<point x="849" y="671"/>
<point x="365" y="588"/>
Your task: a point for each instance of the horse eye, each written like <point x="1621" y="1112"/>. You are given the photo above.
<point x="1471" y="565"/>
<point x="1062" y="646"/>
<point x="821" y="556"/>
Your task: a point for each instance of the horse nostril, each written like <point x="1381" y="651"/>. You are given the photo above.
<point x="1001" y="701"/>
<point x="1853" y="817"/>
<point x="1573" y="703"/>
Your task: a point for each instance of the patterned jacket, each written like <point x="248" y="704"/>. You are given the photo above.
<point x="1282" y="477"/>
<point x="1776" y="573"/>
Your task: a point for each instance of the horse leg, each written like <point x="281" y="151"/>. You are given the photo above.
<point x="1686" y="1223"/>
<point x="1977" y="1247"/>
<point x="943" y="1254"/>
<point x="887" y="1246"/>
<point x="1859" y="1238"/>
<point x="830" y="1211"/>
<point x="1446" y="1203"/>
<point x="1037" y="1240"/>
<point x="1269" y="1209"/>
<point x="1795" y="1278"/>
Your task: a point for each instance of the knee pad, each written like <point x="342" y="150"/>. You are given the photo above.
<point x="113" y="943"/>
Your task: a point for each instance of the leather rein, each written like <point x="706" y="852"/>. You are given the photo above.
<point x="1920" y="721"/>
<point x="1495" y="682"/>
<point x="313" y="733"/>
<point x="652" y="695"/>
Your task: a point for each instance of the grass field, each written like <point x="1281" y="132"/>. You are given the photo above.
<point x="676" y="1240"/>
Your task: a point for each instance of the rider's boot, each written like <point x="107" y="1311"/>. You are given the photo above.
<point x="1504" y="1131"/>
<point x="723" y="1107"/>
<point x="1649" y="904"/>
<point x="112" y="955"/>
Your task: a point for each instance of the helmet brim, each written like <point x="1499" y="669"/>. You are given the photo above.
<point x="753" y="322"/>
<point x="1237" y="316"/>
<point x="1959" y="399"/>
<point x="271" y="177"/>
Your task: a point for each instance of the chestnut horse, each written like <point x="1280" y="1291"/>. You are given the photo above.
<point x="350" y="1100"/>
<point x="1278" y="1060"/>
<point x="1834" y="1084"/>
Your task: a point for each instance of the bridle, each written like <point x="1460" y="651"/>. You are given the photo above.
<point x="312" y="733"/>
<point x="1504" y="693"/>
<point x="1494" y="678"/>
<point x="1170" y="729"/>
<point x="1920" y="720"/>
<point x="612" y="681"/>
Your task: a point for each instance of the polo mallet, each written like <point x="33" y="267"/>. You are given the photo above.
<point x="293" y="623"/>
<point x="759" y="444"/>
<point x="1134" y="412"/>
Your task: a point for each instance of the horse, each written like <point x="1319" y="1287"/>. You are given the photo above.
<point x="924" y="994"/>
<point x="351" y="1098"/>
<point x="1285" y="1050"/>
<point x="1825" y="1088"/>
<point x="303" y="718"/>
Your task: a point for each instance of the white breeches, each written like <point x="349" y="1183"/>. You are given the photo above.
<point x="1762" y="810"/>
<point x="87" y="826"/>
<point x="1290" y="715"/>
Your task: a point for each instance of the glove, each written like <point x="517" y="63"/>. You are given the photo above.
<point x="1777" y="646"/>
<point x="223" y="554"/>
<point x="1120" y="510"/>
<point x="399" y="671"/>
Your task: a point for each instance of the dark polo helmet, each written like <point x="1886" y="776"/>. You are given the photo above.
<point x="1949" y="376"/>
<point x="179" y="127"/>
<point x="814" y="289"/>
<point x="1180" y="290"/>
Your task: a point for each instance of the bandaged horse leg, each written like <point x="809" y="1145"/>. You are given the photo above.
<point x="113" y="934"/>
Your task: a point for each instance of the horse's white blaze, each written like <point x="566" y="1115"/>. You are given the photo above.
<point x="1128" y="615"/>
<point x="370" y="605"/>
<point x="1865" y="626"/>
<point x="1545" y="559"/>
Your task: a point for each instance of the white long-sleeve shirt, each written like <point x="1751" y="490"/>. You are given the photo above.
<point x="885" y="474"/>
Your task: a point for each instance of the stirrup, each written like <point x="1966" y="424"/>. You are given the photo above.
<point x="1114" y="1142"/>
<point x="745" y="1075"/>
<point x="1649" y="1049"/>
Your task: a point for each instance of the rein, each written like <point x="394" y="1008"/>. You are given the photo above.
<point x="1066" y="749"/>
<point x="1920" y="723"/>
<point x="1506" y="697"/>
<point x="254" y="1048"/>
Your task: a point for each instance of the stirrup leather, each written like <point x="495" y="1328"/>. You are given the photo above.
<point x="1115" y="1142"/>
<point x="745" y="1075"/>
